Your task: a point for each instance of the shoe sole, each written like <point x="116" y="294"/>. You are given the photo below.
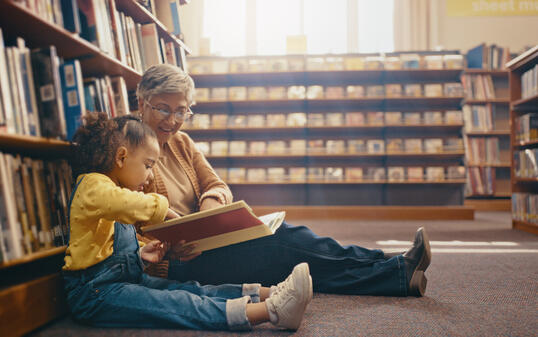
<point x="418" y="283"/>
<point x="426" y="258"/>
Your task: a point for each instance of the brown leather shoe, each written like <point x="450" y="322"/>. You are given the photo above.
<point x="417" y="259"/>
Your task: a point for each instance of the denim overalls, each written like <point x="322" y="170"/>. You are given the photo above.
<point x="117" y="293"/>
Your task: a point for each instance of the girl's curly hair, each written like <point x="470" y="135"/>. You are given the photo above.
<point x="95" y="143"/>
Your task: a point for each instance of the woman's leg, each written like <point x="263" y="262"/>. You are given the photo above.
<point x="334" y="268"/>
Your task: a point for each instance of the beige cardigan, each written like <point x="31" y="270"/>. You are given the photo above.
<point x="203" y="178"/>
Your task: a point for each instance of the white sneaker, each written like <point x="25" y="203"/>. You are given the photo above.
<point x="289" y="299"/>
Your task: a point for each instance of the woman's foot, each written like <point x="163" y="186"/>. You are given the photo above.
<point x="289" y="298"/>
<point x="417" y="259"/>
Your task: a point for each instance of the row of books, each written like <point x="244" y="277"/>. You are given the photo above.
<point x="529" y="82"/>
<point x="478" y="86"/>
<point x="488" y="57"/>
<point x="479" y="117"/>
<point x="483" y="150"/>
<point x="341" y="174"/>
<point x="525" y="165"/>
<point x="323" y="63"/>
<point x="33" y="205"/>
<point x="43" y="95"/>
<point x="480" y="181"/>
<point x="241" y="93"/>
<point x="525" y="207"/>
<point x="315" y="119"/>
<point x="114" y="32"/>
<point x="526" y="127"/>
<point x="335" y="147"/>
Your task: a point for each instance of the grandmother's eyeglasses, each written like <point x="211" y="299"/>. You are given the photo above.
<point x="180" y="115"/>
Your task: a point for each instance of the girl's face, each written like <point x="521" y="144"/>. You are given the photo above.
<point x="134" y="166"/>
<point x="176" y="111"/>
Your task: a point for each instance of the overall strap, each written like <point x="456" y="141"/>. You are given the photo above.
<point x="69" y="209"/>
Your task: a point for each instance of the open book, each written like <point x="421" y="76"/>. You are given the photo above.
<point x="217" y="227"/>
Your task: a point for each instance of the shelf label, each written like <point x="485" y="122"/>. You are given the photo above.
<point x="491" y="7"/>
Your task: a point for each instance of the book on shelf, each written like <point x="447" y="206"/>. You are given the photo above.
<point x="375" y="146"/>
<point x="376" y="174"/>
<point x="275" y="120"/>
<point x="433" y="61"/>
<point x="354" y="173"/>
<point x="433" y="145"/>
<point x="455" y="172"/>
<point x="412" y="118"/>
<point x="276" y="174"/>
<point x="202" y="95"/>
<point x="219" y="121"/>
<point x="238" y="147"/>
<point x="526" y="127"/>
<point x="529" y="82"/>
<point x="335" y="146"/>
<point x="121" y="96"/>
<point x="354" y="63"/>
<point x="413" y="145"/>
<point x="236" y="93"/>
<point x="296" y="119"/>
<point x="334" y="174"/>
<point x="316" y="146"/>
<point x="453" y="61"/>
<point x="355" y="118"/>
<point x="453" y="89"/>
<point x="334" y="92"/>
<point x="453" y="117"/>
<point x="237" y="121"/>
<point x="315" y="174"/>
<point x="525" y="207"/>
<point x="219" y="148"/>
<point x="410" y="61"/>
<point x="334" y="119"/>
<point x="218" y="94"/>
<point x="316" y="119"/>
<point x="354" y="91"/>
<point x="277" y="93"/>
<point x="433" y="117"/>
<point x="238" y="65"/>
<point x="201" y="121"/>
<point x="256" y="65"/>
<point x="375" y="117"/>
<point x="297" y="174"/>
<point x="394" y="145"/>
<point x="315" y="92"/>
<point x="525" y="164"/>
<point x="393" y="90"/>
<point x="236" y="174"/>
<point x="256" y="121"/>
<point x="393" y="117"/>
<point x="435" y="173"/>
<point x="256" y="175"/>
<point x="45" y="65"/>
<point x="222" y="172"/>
<point x="396" y="173"/>
<point x="167" y="11"/>
<point x="203" y="147"/>
<point x="275" y="147"/>
<point x="433" y="90"/>
<point x="415" y="173"/>
<point x="151" y="49"/>
<point x="73" y="95"/>
<point x="277" y="64"/>
<point x="257" y="147"/>
<point x="480" y="181"/>
<point x="356" y="146"/>
<point x="487" y="57"/>
<point x="392" y="63"/>
<point x="217" y="227"/>
<point x="375" y="91"/>
<point x="374" y="62"/>
<point x="413" y="90"/>
<point x="256" y="93"/>
<point x="297" y="146"/>
<point x="334" y="63"/>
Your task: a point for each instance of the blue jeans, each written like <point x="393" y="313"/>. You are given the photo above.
<point x="116" y="293"/>
<point x="334" y="268"/>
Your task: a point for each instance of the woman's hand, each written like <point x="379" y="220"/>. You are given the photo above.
<point x="183" y="252"/>
<point x="171" y="214"/>
<point x="209" y="203"/>
<point x="154" y="251"/>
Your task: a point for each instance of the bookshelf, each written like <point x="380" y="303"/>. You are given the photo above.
<point x="487" y="138"/>
<point x="31" y="287"/>
<point x="524" y="140"/>
<point x="248" y="92"/>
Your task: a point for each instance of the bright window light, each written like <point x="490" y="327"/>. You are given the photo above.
<point x="376" y="24"/>
<point x="325" y="26"/>
<point x="275" y="20"/>
<point x="225" y="25"/>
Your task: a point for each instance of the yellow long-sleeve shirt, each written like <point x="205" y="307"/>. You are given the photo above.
<point x="98" y="202"/>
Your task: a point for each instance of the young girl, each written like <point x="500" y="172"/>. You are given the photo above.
<point x="104" y="263"/>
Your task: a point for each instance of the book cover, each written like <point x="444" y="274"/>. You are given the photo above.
<point x="45" y="65"/>
<point x="217" y="227"/>
<point x="73" y="95"/>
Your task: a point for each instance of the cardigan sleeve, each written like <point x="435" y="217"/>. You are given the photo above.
<point x="211" y="185"/>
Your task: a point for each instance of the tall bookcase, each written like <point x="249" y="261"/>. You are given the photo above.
<point x="524" y="141"/>
<point x="31" y="288"/>
<point x="335" y="188"/>
<point x="487" y="138"/>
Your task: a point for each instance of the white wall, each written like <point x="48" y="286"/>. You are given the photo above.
<point x="463" y="33"/>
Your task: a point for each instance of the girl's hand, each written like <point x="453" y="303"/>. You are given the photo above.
<point x="183" y="252"/>
<point x="154" y="251"/>
<point x="209" y="203"/>
<point x="171" y="214"/>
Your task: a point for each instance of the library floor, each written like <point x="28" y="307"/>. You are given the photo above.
<point x="483" y="281"/>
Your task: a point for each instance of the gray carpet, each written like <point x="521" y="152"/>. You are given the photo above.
<point x="485" y="285"/>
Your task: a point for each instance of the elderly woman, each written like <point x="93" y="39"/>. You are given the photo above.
<point x="185" y="177"/>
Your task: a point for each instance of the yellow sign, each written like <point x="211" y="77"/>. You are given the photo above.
<point x="491" y="7"/>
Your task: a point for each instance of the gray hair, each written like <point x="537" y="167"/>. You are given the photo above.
<point x="165" y="79"/>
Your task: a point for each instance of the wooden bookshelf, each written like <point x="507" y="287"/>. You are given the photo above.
<point x="344" y="192"/>
<point x="31" y="286"/>
<point x="498" y="167"/>
<point x="522" y="188"/>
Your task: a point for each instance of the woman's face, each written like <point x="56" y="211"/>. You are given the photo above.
<point x="164" y="126"/>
